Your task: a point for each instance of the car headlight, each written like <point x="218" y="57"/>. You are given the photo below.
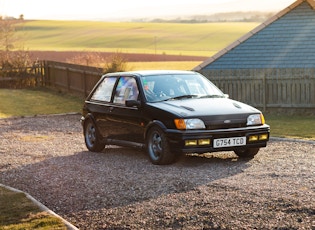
<point x="255" y="119"/>
<point x="189" y="124"/>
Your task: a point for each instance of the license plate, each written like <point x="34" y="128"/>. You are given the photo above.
<point x="229" y="142"/>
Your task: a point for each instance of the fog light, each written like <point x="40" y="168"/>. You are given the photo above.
<point x="263" y="137"/>
<point x="253" y="138"/>
<point x="204" y="142"/>
<point x="190" y="142"/>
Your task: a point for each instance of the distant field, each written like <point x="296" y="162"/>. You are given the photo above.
<point x="200" y="39"/>
<point x="177" y="65"/>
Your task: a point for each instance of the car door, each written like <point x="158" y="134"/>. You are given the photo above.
<point x="126" y="122"/>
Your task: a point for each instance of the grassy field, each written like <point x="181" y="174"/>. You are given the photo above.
<point x="180" y="65"/>
<point x="200" y="39"/>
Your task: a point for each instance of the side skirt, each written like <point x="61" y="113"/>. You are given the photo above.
<point x="124" y="143"/>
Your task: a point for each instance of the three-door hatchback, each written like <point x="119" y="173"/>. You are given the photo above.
<point x="169" y="113"/>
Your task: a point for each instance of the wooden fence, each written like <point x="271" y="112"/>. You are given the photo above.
<point x="16" y="78"/>
<point x="269" y="89"/>
<point x="71" y="78"/>
<point x="282" y="90"/>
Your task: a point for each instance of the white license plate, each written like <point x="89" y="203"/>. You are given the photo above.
<point x="229" y="142"/>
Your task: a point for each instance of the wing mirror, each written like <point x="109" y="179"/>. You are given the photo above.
<point x="133" y="103"/>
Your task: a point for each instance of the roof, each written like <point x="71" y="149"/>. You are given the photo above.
<point x="151" y="72"/>
<point x="285" y="40"/>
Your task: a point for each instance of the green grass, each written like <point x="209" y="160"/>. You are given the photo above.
<point x="18" y="212"/>
<point x="29" y="102"/>
<point x="200" y="39"/>
<point x="291" y="126"/>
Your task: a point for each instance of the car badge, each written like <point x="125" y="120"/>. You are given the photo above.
<point x="227" y="121"/>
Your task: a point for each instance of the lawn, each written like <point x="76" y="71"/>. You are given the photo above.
<point x="290" y="126"/>
<point x="30" y="102"/>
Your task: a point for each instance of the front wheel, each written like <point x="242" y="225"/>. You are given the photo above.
<point x="91" y="137"/>
<point x="246" y="153"/>
<point x="158" y="147"/>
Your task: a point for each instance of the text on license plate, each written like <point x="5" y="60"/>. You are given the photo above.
<point x="228" y="142"/>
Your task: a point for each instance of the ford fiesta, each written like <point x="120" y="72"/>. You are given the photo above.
<point x="169" y="113"/>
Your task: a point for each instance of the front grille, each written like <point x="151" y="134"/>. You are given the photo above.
<point x="225" y="126"/>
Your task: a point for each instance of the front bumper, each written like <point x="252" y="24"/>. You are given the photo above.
<point x="178" y="138"/>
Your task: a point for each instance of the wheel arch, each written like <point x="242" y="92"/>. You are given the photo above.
<point x="87" y="117"/>
<point x="152" y="124"/>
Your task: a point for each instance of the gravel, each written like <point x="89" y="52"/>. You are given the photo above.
<point x="119" y="188"/>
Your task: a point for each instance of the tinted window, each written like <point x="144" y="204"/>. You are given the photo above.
<point x="127" y="89"/>
<point x="104" y="90"/>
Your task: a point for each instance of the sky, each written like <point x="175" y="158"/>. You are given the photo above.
<point x="126" y="9"/>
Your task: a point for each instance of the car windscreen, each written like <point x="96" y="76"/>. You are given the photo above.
<point x="178" y="86"/>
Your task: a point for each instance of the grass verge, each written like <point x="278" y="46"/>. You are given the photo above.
<point x="18" y="212"/>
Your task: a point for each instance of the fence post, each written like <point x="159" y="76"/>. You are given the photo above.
<point x="264" y="92"/>
<point x="84" y="83"/>
<point x="68" y="79"/>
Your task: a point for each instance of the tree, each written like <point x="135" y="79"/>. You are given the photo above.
<point x="12" y="60"/>
<point x="6" y="35"/>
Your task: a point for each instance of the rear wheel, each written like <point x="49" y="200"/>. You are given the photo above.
<point x="246" y="153"/>
<point x="91" y="137"/>
<point x="158" y="147"/>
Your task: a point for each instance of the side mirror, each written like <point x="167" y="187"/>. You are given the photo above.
<point x="132" y="103"/>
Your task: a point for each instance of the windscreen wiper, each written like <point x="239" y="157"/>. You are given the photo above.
<point x="212" y="96"/>
<point x="183" y="97"/>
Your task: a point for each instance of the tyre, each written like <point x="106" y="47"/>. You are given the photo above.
<point x="246" y="153"/>
<point x="158" y="147"/>
<point x="91" y="137"/>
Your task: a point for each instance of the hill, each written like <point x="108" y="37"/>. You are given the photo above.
<point x="197" y="39"/>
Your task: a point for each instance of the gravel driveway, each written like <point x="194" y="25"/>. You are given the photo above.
<point x="119" y="188"/>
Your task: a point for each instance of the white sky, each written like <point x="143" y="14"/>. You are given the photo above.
<point x="120" y="9"/>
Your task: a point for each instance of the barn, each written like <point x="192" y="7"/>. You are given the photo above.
<point x="273" y="66"/>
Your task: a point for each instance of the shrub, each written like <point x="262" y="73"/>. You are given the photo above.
<point x="113" y="63"/>
<point x="117" y="63"/>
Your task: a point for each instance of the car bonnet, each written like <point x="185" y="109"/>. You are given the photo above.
<point x="204" y="107"/>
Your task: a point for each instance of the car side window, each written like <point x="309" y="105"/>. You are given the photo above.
<point x="104" y="90"/>
<point x="126" y="89"/>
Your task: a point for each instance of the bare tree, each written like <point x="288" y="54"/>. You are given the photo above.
<point x="11" y="57"/>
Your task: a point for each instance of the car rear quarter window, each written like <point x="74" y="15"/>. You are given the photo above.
<point x="104" y="90"/>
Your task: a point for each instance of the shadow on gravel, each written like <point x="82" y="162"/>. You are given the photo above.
<point x="115" y="177"/>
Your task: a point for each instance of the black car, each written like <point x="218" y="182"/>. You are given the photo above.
<point x="169" y="113"/>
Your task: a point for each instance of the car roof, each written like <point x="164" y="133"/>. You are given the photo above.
<point x="150" y="72"/>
